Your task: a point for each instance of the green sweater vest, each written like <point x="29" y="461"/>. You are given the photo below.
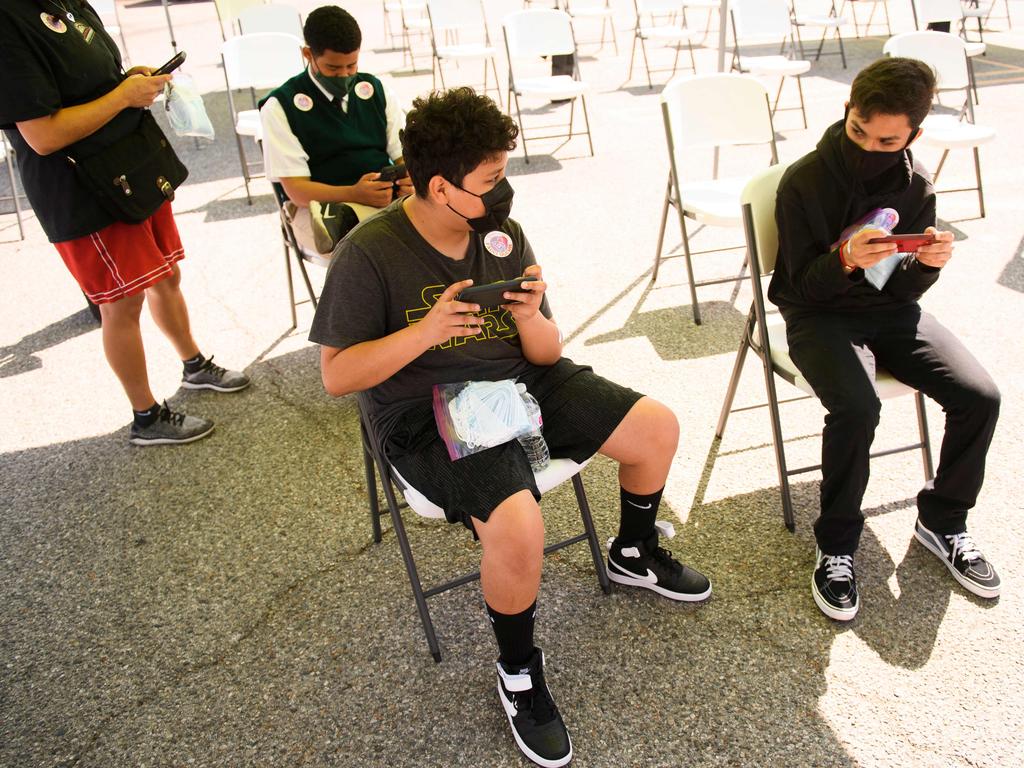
<point x="342" y="146"/>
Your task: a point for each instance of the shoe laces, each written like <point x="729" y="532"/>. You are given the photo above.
<point x="839" y="567"/>
<point x="537" y="701"/>
<point x="964" y="546"/>
<point x="172" y="417"/>
<point x="215" y="370"/>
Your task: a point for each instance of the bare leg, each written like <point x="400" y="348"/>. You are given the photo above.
<point x="644" y="444"/>
<point x="167" y="305"/>
<point x="513" y="552"/>
<point x="122" y="344"/>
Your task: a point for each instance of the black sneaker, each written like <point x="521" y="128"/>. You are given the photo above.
<point x="330" y="222"/>
<point x="834" y="586"/>
<point x="645" y="564"/>
<point x="963" y="558"/>
<point x="211" y="376"/>
<point x="170" y="428"/>
<point x="536" y="723"/>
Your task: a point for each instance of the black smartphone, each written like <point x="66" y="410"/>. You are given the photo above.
<point x="393" y="172"/>
<point x="172" y="64"/>
<point x="492" y="295"/>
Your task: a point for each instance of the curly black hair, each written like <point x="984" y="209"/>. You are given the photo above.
<point x="894" y="86"/>
<point x="330" y="28"/>
<point x="449" y="133"/>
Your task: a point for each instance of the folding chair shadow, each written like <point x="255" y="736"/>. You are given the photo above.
<point x="376" y="463"/>
<point x="768" y="342"/>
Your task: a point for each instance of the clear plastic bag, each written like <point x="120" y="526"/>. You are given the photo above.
<point x="185" y="110"/>
<point x="472" y="416"/>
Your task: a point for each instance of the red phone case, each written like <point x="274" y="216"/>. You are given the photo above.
<point x="908" y="243"/>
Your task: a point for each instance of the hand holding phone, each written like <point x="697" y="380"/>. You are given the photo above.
<point x="906" y="243"/>
<point x="492" y="295"/>
<point x="170" y="65"/>
<point x="392" y="172"/>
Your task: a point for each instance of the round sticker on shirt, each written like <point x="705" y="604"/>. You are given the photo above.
<point x="53" y="23"/>
<point x="498" y="243"/>
<point x="364" y="90"/>
<point x="302" y="102"/>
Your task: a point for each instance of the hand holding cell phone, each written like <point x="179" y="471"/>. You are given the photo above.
<point x="906" y="243"/>
<point x="492" y="295"/>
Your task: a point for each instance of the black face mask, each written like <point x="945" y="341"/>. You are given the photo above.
<point x="497" y="206"/>
<point x="863" y="164"/>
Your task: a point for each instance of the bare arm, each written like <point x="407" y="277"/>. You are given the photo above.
<point x="540" y="337"/>
<point x="64" y="127"/>
<point x="301" y="190"/>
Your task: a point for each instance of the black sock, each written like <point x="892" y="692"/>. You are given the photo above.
<point x="146" y="417"/>
<point x="193" y="364"/>
<point x="514" y="633"/>
<point x="638" y="514"/>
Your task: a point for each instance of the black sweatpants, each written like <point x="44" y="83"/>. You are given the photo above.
<point x="836" y="353"/>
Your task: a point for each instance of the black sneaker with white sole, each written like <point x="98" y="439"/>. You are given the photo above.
<point x="963" y="558"/>
<point x="211" y="376"/>
<point x="645" y="564"/>
<point x="834" y="586"/>
<point x="330" y="222"/>
<point x="536" y="723"/>
<point x="170" y="428"/>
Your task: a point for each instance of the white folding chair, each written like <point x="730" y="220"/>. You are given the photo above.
<point x="537" y="33"/>
<point x="556" y="473"/>
<point x="412" y="15"/>
<point x="703" y="112"/>
<point x="767" y="22"/>
<point x="8" y="158"/>
<point x="451" y="19"/>
<point x="662" y="21"/>
<point x="768" y="341"/>
<point x="951" y="12"/>
<point x="259" y="61"/>
<point x="712" y="7"/>
<point x="981" y="12"/>
<point x="946" y="53"/>
<point x="595" y="9"/>
<point x="853" y="4"/>
<point x="272" y="17"/>
<point x="229" y="10"/>
<point x="830" y="22"/>
<point x="107" y="10"/>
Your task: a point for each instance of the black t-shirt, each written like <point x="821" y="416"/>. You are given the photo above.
<point x="385" y="277"/>
<point x="47" y="63"/>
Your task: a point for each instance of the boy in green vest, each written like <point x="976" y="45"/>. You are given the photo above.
<point x="329" y="131"/>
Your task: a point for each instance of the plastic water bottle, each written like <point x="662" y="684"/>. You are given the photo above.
<point x="533" y="442"/>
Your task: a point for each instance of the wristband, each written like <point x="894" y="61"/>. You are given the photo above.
<point x="848" y="268"/>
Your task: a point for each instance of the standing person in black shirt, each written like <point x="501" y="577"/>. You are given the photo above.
<point x="63" y="94"/>
<point x="849" y="303"/>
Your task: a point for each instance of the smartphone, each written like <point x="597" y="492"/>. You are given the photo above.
<point x="172" y="64"/>
<point x="393" y="172"/>
<point x="492" y="295"/>
<point x="906" y="243"/>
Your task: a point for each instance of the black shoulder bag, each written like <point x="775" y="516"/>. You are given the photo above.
<point x="135" y="175"/>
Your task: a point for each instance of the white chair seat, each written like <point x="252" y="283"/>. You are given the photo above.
<point x="948" y="132"/>
<point x="667" y="32"/>
<point x="773" y="65"/>
<point x="557" y="472"/>
<point x="702" y="4"/>
<point x="715" y="201"/>
<point x="248" y="123"/>
<point x="970" y="12"/>
<point x="557" y="87"/>
<point x="595" y="12"/>
<point x="974" y="48"/>
<point x="886" y="386"/>
<point x="466" y="51"/>
<point x="408" y="5"/>
<point x="821" y="20"/>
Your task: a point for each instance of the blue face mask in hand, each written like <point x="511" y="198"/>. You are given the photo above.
<point x="879" y="274"/>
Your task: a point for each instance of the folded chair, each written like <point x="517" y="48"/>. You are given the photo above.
<point x="946" y="53"/>
<point x="448" y="20"/>
<point x="557" y="473"/>
<point x="827" y="22"/>
<point x="661" y="21"/>
<point x="768" y="342"/>
<point x="703" y="112"/>
<point x="595" y="9"/>
<point x="854" y="4"/>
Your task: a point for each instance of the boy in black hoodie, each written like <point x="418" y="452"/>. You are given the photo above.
<point x="849" y="303"/>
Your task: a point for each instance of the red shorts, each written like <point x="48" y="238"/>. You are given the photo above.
<point x="122" y="259"/>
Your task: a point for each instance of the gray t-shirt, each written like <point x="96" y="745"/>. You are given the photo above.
<point x="385" y="276"/>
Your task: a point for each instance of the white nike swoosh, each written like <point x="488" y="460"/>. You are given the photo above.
<point x="650" y="578"/>
<point x="638" y="506"/>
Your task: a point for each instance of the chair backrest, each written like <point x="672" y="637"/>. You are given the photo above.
<point x="929" y="11"/>
<point x="944" y="52"/>
<point x="274" y="17"/>
<point x="538" y="32"/>
<point x="758" y="202"/>
<point x="658" y="7"/>
<point x="262" y="60"/>
<point x="760" y="19"/>
<point x="104" y="7"/>
<point x="455" y="14"/>
<point x="716" y="110"/>
<point x="230" y="9"/>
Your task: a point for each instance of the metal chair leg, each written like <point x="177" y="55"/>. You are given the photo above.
<point x="977" y="175"/>
<point x="737" y="371"/>
<point x="588" y="525"/>
<point x="926" y="444"/>
<point x="661" y="230"/>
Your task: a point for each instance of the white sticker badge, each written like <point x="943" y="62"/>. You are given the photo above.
<point x="53" y="23"/>
<point x="302" y="102"/>
<point x="498" y="243"/>
<point x="364" y="90"/>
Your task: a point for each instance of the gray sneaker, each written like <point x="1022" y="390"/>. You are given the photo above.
<point x="214" y="377"/>
<point x="171" y="428"/>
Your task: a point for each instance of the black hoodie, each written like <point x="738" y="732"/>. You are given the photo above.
<point x="817" y="199"/>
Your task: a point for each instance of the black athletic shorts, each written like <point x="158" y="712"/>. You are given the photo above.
<point x="580" y="410"/>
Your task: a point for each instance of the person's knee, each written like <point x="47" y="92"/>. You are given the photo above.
<point x="983" y="397"/>
<point x="123" y="310"/>
<point x="659" y="427"/>
<point x="169" y="284"/>
<point x="855" y="411"/>
<point x="514" y="538"/>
